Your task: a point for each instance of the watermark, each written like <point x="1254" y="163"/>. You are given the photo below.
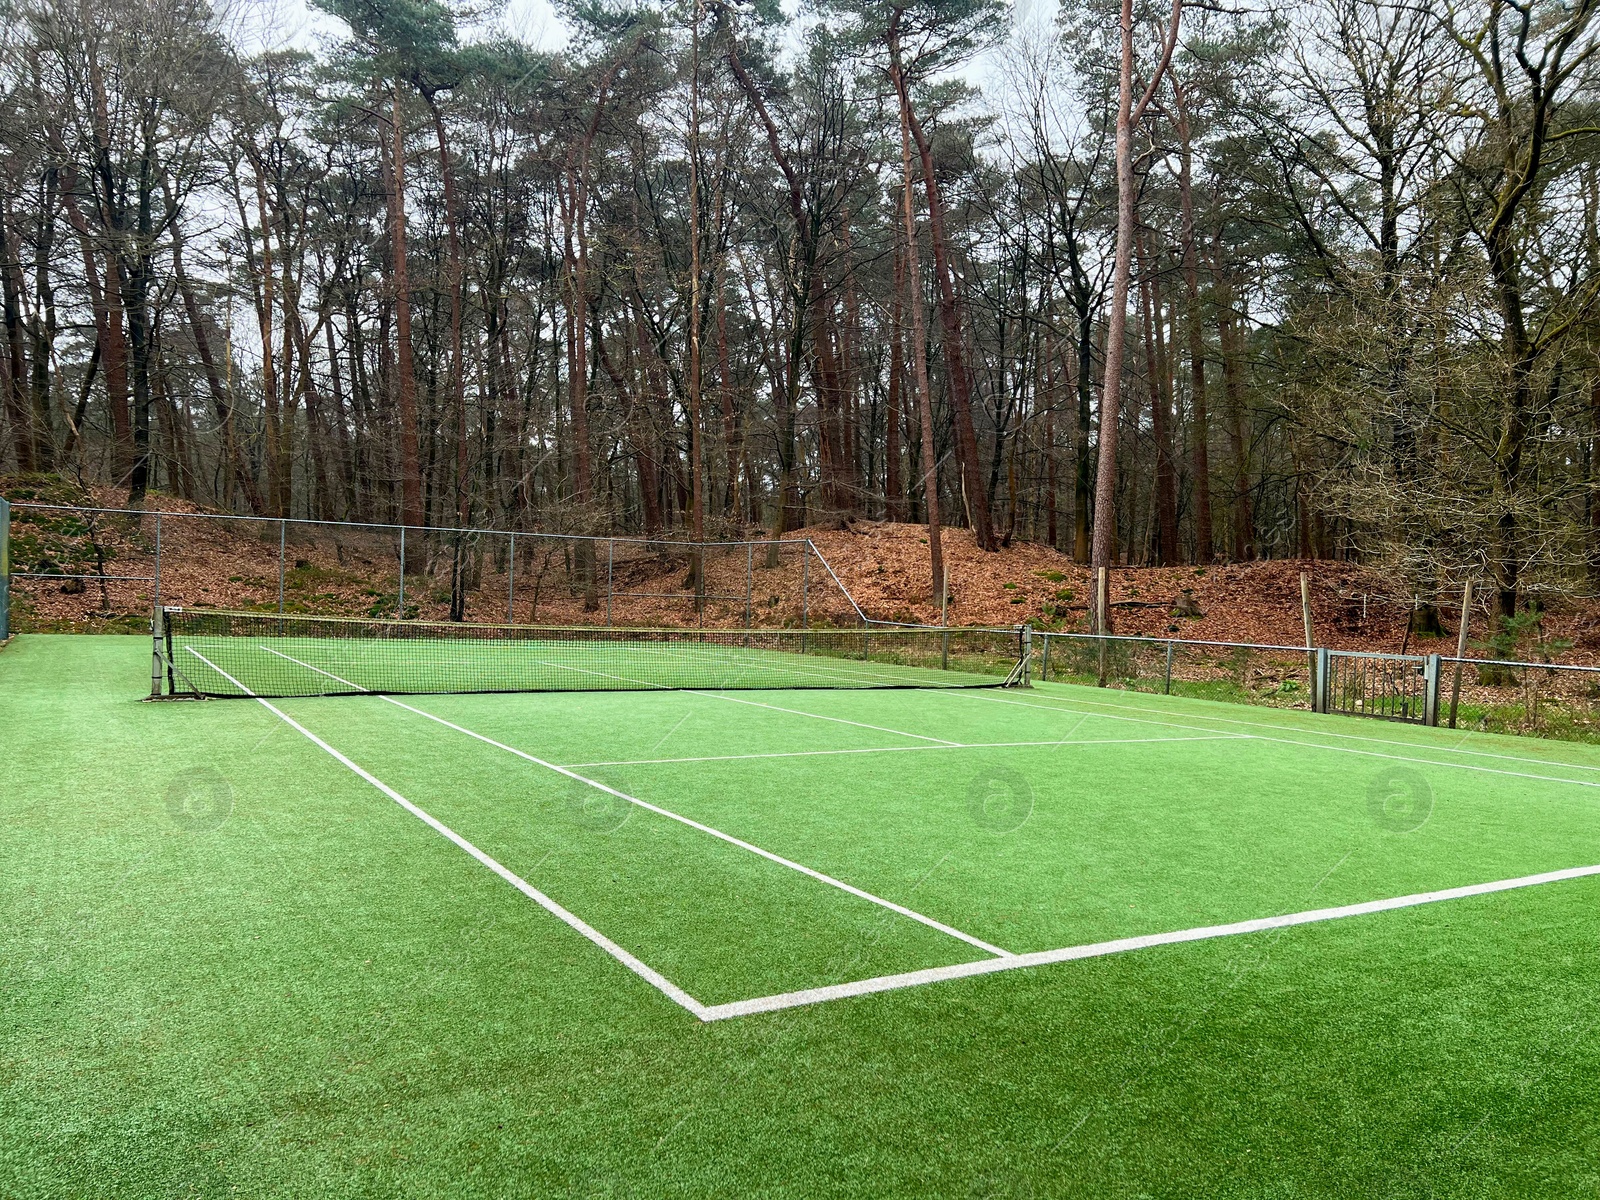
<point x="1399" y="800"/>
<point x="199" y="800"/>
<point x="999" y="799"/>
<point x="994" y="1186"/>
<point x="587" y="807"/>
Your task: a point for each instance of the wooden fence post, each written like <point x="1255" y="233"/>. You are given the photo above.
<point x="1461" y="649"/>
<point x="1311" y="646"/>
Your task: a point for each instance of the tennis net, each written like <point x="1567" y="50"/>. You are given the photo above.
<point x="209" y="652"/>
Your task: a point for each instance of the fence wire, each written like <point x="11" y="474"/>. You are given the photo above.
<point x="108" y="568"/>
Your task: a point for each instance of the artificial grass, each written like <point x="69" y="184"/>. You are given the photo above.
<point x="317" y="995"/>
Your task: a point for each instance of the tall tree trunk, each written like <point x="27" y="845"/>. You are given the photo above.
<point x="697" y="485"/>
<point x="1129" y="114"/>
<point x="1199" y="418"/>
<point x="136" y="302"/>
<point x="1238" y="438"/>
<point x="956" y="368"/>
<point x="221" y="402"/>
<point x="22" y="431"/>
<point x="919" y="364"/>
<point x="411" y="510"/>
<point x="44" y="323"/>
<point x="1083" y="476"/>
<point x="1052" y="490"/>
<point x="1166" y="485"/>
<point x="893" y="485"/>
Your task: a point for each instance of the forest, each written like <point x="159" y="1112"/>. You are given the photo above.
<point x="1149" y="283"/>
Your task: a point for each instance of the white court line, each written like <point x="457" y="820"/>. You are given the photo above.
<point x="740" y="700"/>
<point x="1356" y="737"/>
<point x="660" y="982"/>
<point x="681" y="819"/>
<point x="819" y="717"/>
<point x="885" y="983"/>
<point x="1056" y="744"/>
<point x="1017" y="962"/>
<point x="709" y="695"/>
<point x="1287" y="741"/>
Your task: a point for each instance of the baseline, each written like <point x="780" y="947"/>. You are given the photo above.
<point x="1059" y="742"/>
<point x="1017" y="962"/>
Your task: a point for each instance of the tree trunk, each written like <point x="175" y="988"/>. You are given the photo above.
<point x="1166" y="487"/>
<point x="919" y="363"/>
<point x="956" y="368"/>
<point x="893" y="485"/>
<point x="1232" y="386"/>
<point x="1199" y="423"/>
<point x="411" y="510"/>
<point x="220" y="400"/>
<point x="22" y="432"/>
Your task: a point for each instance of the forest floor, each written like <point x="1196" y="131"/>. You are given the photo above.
<point x="885" y="568"/>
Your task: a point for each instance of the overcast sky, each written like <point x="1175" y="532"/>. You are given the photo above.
<point x="279" y="24"/>
<point x="276" y="24"/>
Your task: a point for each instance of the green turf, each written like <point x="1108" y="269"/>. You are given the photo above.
<point x="230" y="966"/>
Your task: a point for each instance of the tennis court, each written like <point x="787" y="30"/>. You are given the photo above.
<point x="730" y="847"/>
<point x="935" y="864"/>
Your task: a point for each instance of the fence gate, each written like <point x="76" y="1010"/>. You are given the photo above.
<point x="1394" y="687"/>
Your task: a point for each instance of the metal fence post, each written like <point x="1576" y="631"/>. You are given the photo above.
<point x="1430" y="698"/>
<point x="1044" y="660"/>
<point x="1166" y="677"/>
<point x="511" y="583"/>
<point x="155" y="652"/>
<point x="1322" y="681"/>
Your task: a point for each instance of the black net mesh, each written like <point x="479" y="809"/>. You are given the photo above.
<point x="222" y="654"/>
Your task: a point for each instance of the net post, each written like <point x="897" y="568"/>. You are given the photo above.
<point x="157" y="634"/>
<point x="1027" y="656"/>
<point x="400" y="607"/>
<point x="611" y="561"/>
<point x="511" y="583"/>
<point x="5" y="569"/>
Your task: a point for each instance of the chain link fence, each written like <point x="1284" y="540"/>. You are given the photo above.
<point x="94" y="568"/>
<point x="1553" y="700"/>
